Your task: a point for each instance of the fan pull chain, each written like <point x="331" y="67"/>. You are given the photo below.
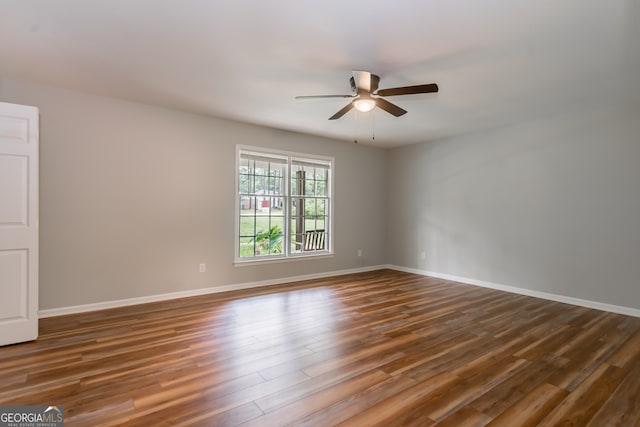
<point x="355" y="128"/>
<point x="373" y="126"/>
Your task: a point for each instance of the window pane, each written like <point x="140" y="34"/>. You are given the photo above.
<point x="298" y="180"/>
<point x="243" y="184"/>
<point x="268" y="213"/>
<point x="261" y="167"/>
<point x="262" y="223"/>
<point x="245" y="204"/>
<point x="272" y="185"/>
<point x="297" y="241"/>
<point x="309" y="187"/>
<point x="258" y="184"/>
<point x="269" y="241"/>
<point x="310" y="208"/>
<point x="278" y="222"/>
<point x="321" y="207"/>
<point x="309" y="224"/>
<point x="247" y="226"/>
<point x="277" y="206"/>
<point x="246" y="247"/>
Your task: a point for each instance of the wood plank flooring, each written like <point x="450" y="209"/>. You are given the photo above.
<point x="383" y="348"/>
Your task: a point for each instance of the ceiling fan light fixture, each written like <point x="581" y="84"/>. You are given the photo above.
<point x="364" y="104"/>
<point x="364" y="85"/>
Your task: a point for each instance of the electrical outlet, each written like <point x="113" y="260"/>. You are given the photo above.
<point x="359" y="252"/>
<point x="423" y="255"/>
<point x="203" y="267"/>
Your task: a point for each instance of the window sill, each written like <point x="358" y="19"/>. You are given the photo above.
<point x="252" y="262"/>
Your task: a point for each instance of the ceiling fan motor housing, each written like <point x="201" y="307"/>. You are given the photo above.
<point x="375" y="81"/>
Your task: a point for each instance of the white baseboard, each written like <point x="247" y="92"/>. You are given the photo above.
<point x="51" y="312"/>
<point x="239" y="286"/>
<point x="521" y="291"/>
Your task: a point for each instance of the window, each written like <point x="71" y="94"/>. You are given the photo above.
<point x="283" y="206"/>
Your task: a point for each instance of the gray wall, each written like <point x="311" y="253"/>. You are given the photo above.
<point x="133" y="198"/>
<point x="552" y="205"/>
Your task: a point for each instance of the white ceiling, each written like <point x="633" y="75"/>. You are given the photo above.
<point x="496" y="61"/>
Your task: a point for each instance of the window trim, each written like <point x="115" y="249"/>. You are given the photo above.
<point x="287" y="256"/>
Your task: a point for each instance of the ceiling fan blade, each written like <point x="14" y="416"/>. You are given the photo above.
<point x="390" y="108"/>
<point x="409" y="90"/>
<point x="362" y="79"/>
<point x="342" y="112"/>
<point x="324" y="96"/>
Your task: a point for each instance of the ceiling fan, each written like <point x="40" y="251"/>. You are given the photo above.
<point x="366" y="95"/>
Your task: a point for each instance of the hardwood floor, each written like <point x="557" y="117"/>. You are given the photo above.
<point x="382" y="348"/>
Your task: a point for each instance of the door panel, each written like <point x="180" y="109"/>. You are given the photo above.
<point x="19" y="153"/>
<point x="13" y="270"/>
<point x="14" y="190"/>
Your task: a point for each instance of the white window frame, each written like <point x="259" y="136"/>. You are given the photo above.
<point x="287" y="255"/>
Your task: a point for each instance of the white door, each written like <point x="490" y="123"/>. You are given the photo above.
<point x="18" y="223"/>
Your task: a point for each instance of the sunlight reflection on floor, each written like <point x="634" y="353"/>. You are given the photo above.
<point x="259" y="331"/>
